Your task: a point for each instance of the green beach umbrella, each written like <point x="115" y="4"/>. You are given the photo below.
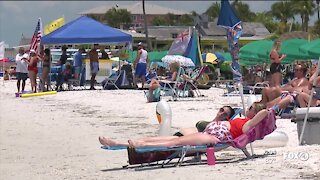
<point x="257" y="50"/>
<point x="291" y="47"/>
<point x="312" y="48"/>
<point x="154" y="56"/>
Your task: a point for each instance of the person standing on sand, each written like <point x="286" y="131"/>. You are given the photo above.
<point x="140" y="65"/>
<point x="21" y="69"/>
<point x="94" y="65"/>
<point x="275" y="68"/>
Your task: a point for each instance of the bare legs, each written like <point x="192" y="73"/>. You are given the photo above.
<point x="303" y="99"/>
<point x="92" y="81"/>
<point x="270" y="93"/>
<point x="45" y="79"/>
<point x="165" y="141"/>
<point x="23" y="85"/>
<point x="33" y="81"/>
<point x="192" y="139"/>
<point x="276" y="79"/>
<point x="18" y="85"/>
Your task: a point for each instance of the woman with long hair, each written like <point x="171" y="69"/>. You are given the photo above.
<point x="46" y="69"/>
<point x="275" y="68"/>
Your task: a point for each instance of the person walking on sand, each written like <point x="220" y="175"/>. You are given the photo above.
<point x="140" y="65"/>
<point x="21" y="69"/>
<point x="275" y="68"/>
<point x="94" y="65"/>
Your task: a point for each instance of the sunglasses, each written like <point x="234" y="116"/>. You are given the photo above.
<point x="225" y="114"/>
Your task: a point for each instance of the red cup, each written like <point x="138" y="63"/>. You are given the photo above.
<point x="211" y="159"/>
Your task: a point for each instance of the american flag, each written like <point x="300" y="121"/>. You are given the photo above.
<point x="36" y="38"/>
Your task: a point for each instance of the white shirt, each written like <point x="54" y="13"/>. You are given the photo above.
<point x="143" y="56"/>
<point x="22" y="65"/>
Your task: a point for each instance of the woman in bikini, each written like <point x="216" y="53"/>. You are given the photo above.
<point x="46" y="62"/>
<point x="215" y="132"/>
<point x="275" y="68"/>
<point x="33" y="69"/>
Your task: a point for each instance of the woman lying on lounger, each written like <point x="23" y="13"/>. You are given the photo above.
<point x="215" y="132"/>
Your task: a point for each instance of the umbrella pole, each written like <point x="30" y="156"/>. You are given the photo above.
<point x="310" y="99"/>
<point x="244" y="108"/>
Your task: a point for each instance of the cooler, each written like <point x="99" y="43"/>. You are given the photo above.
<point x="312" y="130"/>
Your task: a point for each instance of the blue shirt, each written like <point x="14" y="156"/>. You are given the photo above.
<point x="78" y="59"/>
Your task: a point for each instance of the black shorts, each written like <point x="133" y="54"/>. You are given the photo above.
<point x="275" y="67"/>
<point x="22" y="76"/>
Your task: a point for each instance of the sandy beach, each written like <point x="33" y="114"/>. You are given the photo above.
<point x="56" y="137"/>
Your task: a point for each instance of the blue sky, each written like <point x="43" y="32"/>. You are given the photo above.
<point x="17" y="17"/>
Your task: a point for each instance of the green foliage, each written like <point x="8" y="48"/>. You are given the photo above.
<point x="159" y="21"/>
<point x="186" y="20"/>
<point x="316" y="29"/>
<point x="305" y="9"/>
<point x="213" y="11"/>
<point x="173" y="20"/>
<point x="243" y="11"/>
<point x="267" y="19"/>
<point x="116" y="17"/>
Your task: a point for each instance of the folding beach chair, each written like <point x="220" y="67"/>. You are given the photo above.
<point x="169" y="88"/>
<point x="167" y="154"/>
<point x="79" y="83"/>
<point x="191" y="84"/>
<point x="110" y="82"/>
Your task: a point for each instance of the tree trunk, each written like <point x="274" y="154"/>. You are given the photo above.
<point x="146" y="26"/>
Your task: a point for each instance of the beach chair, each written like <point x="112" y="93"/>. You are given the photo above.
<point x="191" y="84"/>
<point x="110" y="82"/>
<point x="169" y="88"/>
<point x="167" y="154"/>
<point x="79" y="83"/>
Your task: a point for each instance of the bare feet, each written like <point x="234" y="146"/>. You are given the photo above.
<point x="133" y="144"/>
<point x="106" y="142"/>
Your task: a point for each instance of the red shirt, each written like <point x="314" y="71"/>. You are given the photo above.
<point x="236" y="126"/>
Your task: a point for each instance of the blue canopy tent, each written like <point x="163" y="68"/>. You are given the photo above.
<point x="85" y="30"/>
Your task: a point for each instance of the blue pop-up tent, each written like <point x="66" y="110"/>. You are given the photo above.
<point x="85" y="30"/>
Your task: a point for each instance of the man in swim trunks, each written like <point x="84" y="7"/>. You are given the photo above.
<point x="140" y="65"/>
<point x="272" y="95"/>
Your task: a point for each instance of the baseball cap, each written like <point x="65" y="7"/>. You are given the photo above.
<point x="140" y="44"/>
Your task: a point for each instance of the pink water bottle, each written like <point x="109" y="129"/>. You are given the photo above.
<point x="211" y="159"/>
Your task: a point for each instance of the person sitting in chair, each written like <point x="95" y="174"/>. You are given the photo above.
<point x="272" y="95"/>
<point x="215" y="132"/>
<point x="155" y="83"/>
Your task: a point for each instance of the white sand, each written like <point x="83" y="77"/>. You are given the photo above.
<point x="56" y="137"/>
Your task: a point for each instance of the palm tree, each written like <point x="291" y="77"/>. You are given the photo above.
<point x="318" y="2"/>
<point x="282" y="11"/>
<point x="243" y="11"/>
<point x="213" y="11"/>
<point x="146" y="26"/>
<point x="267" y="19"/>
<point x="306" y="9"/>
